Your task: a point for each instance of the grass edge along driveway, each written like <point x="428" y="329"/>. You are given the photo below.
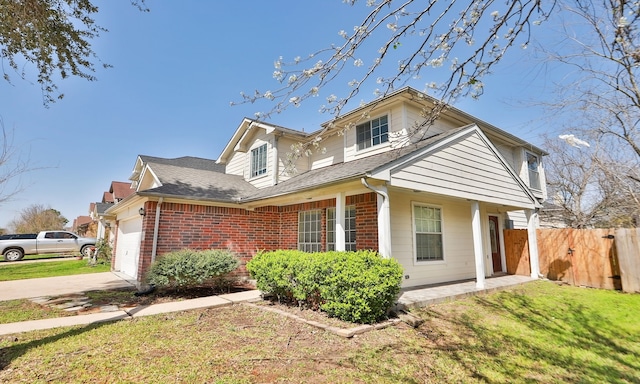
<point x="33" y="270"/>
<point x="538" y="332"/>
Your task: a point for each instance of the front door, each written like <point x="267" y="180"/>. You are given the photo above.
<point x="494" y="233"/>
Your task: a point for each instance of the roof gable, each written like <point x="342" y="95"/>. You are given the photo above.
<point x="465" y="165"/>
<point x="243" y="135"/>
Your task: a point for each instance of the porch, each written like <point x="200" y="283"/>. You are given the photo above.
<point x="426" y="295"/>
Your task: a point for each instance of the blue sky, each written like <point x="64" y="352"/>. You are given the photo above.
<point x="175" y="71"/>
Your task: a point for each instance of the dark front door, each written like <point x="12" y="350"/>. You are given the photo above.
<point x="494" y="233"/>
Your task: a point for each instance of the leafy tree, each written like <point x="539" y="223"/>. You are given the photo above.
<point x="36" y="218"/>
<point x="53" y="35"/>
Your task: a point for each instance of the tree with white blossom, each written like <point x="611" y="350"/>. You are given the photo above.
<point x="451" y="48"/>
<point x="459" y="42"/>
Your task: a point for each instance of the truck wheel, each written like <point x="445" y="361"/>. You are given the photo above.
<point x="86" y="251"/>
<point x="13" y="255"/>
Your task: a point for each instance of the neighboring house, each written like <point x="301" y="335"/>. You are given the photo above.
<point x="437" y="204"/>
<point x="117" y="192"/>
<point x="84" y="226"/>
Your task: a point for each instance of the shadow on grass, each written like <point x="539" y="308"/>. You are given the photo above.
<point x="9" y="354"/>
<point x="516" y="336"/>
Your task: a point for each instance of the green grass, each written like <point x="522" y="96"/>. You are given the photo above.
<point x="536" y="333"/>
<point x="19" y="271"/>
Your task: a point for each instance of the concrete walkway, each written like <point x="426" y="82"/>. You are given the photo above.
<point x="62" y="285"/>
<point x="140" y="311"/>
<point x="438" y="293"/>
<point x="55" y="286"/>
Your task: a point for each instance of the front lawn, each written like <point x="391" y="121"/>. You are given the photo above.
<point x="538" y="332"/>
<point x="19" y="271"/>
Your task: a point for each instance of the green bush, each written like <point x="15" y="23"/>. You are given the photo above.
<point x="353" y="286"/>
<point x="103" y="253"/>
<point x="189" y="268"/>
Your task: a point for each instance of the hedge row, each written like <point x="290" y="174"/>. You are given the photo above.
<point x="188" y="268"/>
<point x="358" y="286"/>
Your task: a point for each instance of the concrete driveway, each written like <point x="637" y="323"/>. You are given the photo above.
<point x="62" y="285"/>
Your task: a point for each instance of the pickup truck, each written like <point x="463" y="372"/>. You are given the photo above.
<point x="14" y="247"/>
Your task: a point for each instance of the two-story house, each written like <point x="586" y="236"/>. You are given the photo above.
<point x="436" y="200"/>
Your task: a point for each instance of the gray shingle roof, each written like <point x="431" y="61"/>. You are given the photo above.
<point x="101" y="207"/>
<point x="345" y="171"/>
<point x="202" y="179"/>
<point x="186" y="162"/>
<point x="196" y="178"/>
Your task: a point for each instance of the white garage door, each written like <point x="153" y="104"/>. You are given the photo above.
<point x="128" y="246"/>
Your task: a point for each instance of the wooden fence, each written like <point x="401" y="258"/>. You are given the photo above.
<point x="600" y="258"/>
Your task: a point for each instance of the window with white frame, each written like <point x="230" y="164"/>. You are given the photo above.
<point x="533" y="164"/>
<point x="372" y="132"/>
<point x="259" y="161"/>
<point x="310" y="231"/>
<point x="349" y="228"/>
<point x="427" y="224"/>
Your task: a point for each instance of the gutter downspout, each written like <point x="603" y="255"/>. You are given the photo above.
<point x="156" y="225"/>
<point x="276" y="170"/>
<point x="384" y="219"/>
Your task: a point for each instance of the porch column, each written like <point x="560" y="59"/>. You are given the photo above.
<point x="384" y="223"/>
<point x="476" y="229"/>
<point x="340" y="235"/>
<point x="532" y="217"/>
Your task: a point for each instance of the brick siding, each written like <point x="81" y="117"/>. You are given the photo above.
<point x="241" y="231"/>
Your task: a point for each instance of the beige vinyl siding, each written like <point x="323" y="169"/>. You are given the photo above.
<point x="458" y="263"/>
<point x="507" y="153"/>
<point x="519" y="219"/>
<point x="465" y="169"/>
<point x="301" y="164"/>
<point x="148" y="181"/>
<point x="235" y="165"/>
<point x="331" y="152"/>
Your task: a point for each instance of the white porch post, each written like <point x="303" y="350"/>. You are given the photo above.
<point x="340" y="236"/>
<point x="384" y="222"/>
<point x="532" y="217"/>
<point x="384" y="219"/>
<point x="476" y="229"/>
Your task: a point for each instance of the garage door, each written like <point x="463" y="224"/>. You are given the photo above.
<point x="128" y="246"/>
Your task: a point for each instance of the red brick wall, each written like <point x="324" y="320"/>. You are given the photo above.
<point x="366" y="220"/>
<point x="244" y="232"/>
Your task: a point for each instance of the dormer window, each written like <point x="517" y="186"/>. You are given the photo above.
<point x="259" y="161"/>
<point x="533" y="164"/>
<point x="372" y="133"/>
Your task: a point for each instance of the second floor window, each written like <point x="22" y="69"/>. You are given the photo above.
<point x="533" y="163"/>
<point x="259" y="161"/>
<point x="372" y="132"/>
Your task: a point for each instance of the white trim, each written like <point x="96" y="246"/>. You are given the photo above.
<point x="417" y="262"/>
<point x="534" y="261"/>
<point x="538" y="170"/>
<point x="500" y="229"/>
<point x="478" y="250"/>
<point x="340" y="225"/>
<point x="368" y="121"/>
<point x="266" y="160"/>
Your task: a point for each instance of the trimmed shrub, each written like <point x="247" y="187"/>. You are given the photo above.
<point x="190" y="268"/>
<point x="354" y="286"/>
